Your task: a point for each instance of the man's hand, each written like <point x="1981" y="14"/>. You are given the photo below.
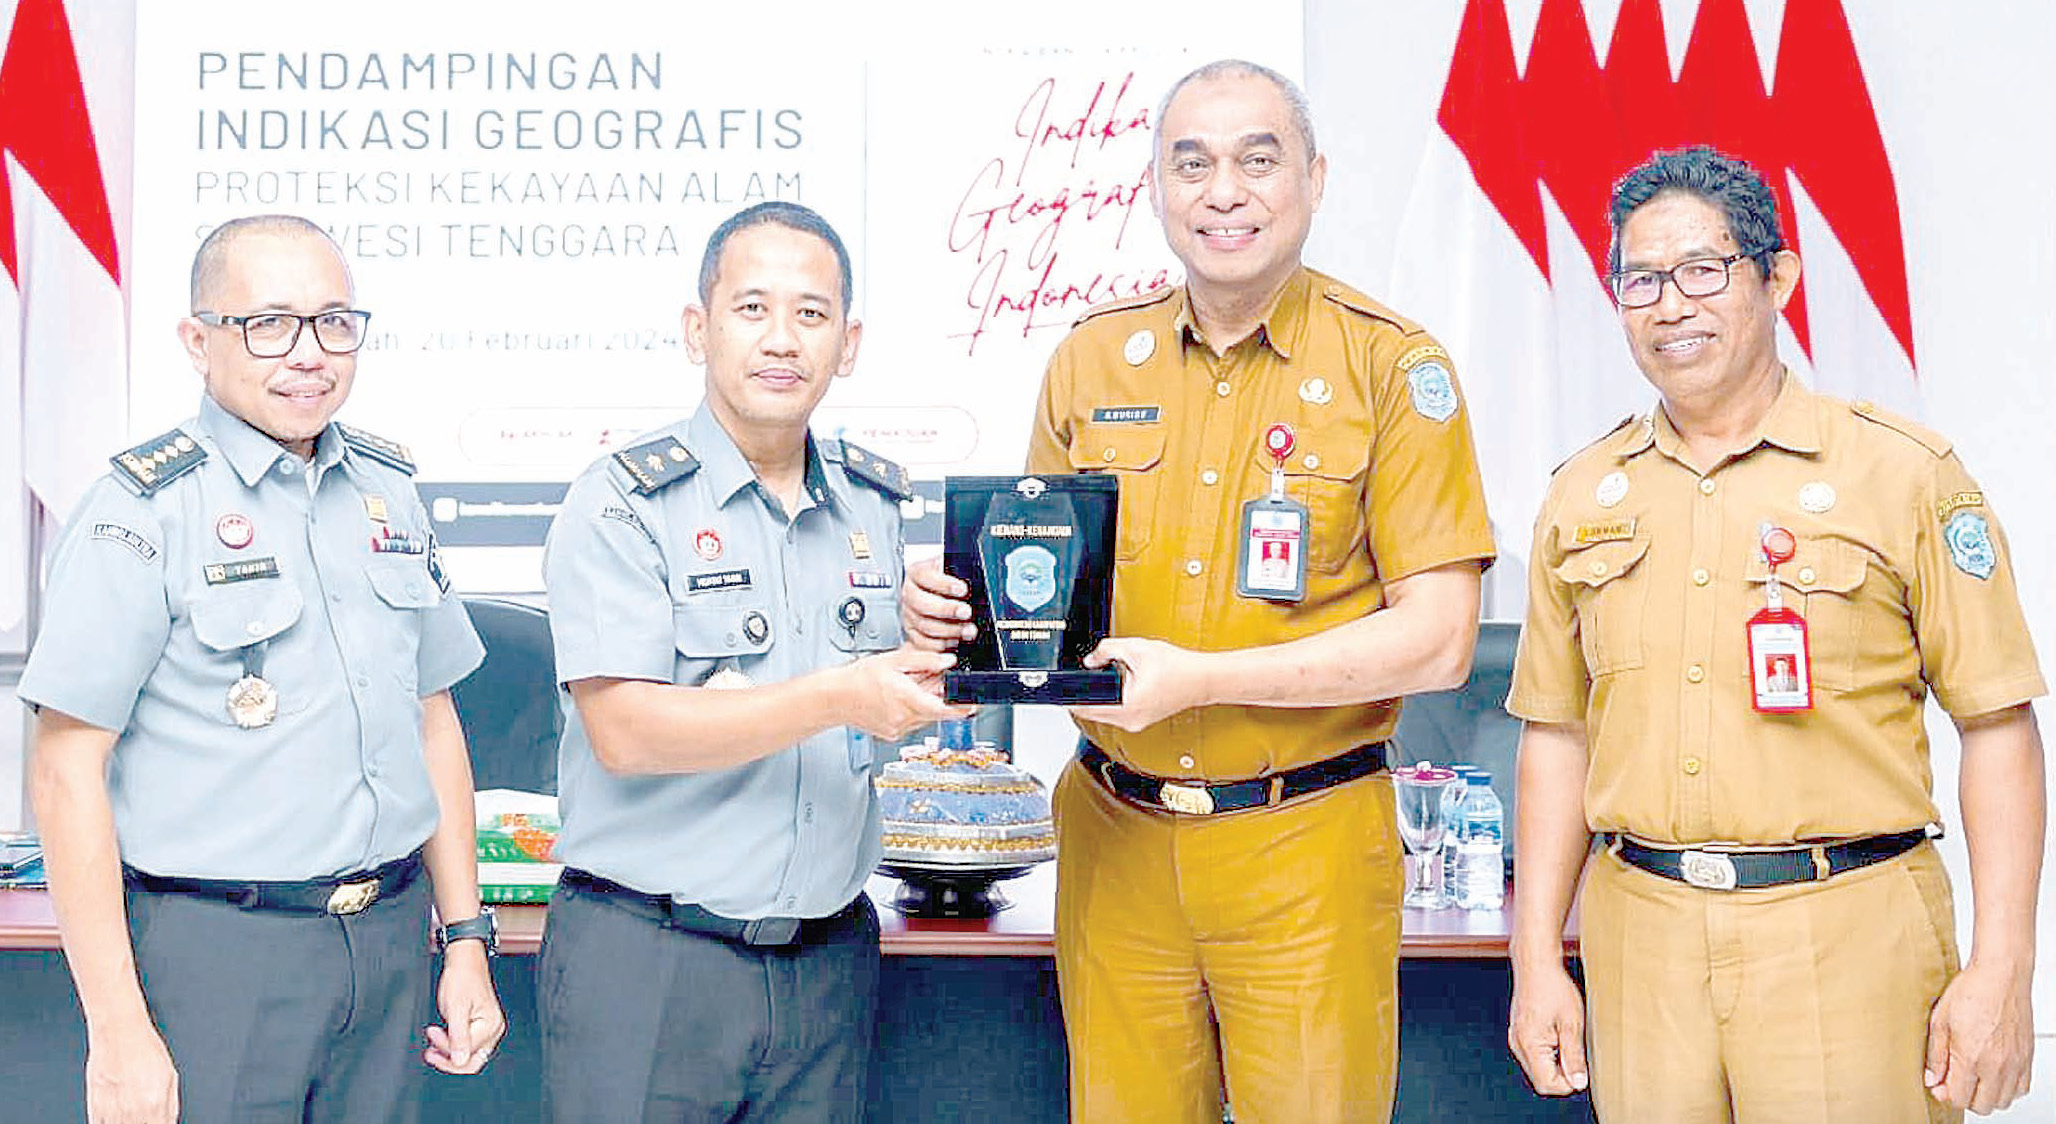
<point x="1981" y="1039"/>
<point x="470" y="1011"/>
<point x="129" y="1077"/>
<point x="1161" y="680"/>
<point x="933" y="612"/>
<point x="1546" y="1030"/>
<point x="897" y="691"/>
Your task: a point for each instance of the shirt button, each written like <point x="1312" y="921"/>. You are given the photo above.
<point x="336" y="597"/>
<point x="413" y="590"/>
<point x="254" y="627"/>
<point x="1209" y="477"/>
<point x="363" y="682"/>
<point x="1193" y="567"/>
<point x="1706" y="487"/>
<point x="808" y="816"/>
<point x="1222" y="389"/>
<point x="1691" y="766"/>
<point x="1312" y="462"/>
<point x="1806" y="573"/>
<point x="730" y="638"/>
<point x="1108" y="455"/>
<point x="1186" y="762"/>
<point x="1695" y="673"/>
<point x="791" y="902"/>
<point x="287" y="467"/>
<point x="1701" y="577"/>
<point x="1598" y="568"/>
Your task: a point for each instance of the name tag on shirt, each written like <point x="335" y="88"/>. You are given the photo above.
<point x="1124" y="415"/>
<point x="869" y="579"/>
<point x="717" y="579"/>
<point x="224" y="573"/>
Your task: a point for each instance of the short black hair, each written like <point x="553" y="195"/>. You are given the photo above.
<point x="792" y="216"/>
<point x="1732" y="185"/>
<point x="210" y="261"/>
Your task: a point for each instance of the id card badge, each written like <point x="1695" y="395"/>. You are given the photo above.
<point x="1780" y="663"/>
<point x="1272" y="565"/>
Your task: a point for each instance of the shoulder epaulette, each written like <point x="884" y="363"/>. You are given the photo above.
<point x="654" y="464"/>
<point x="1349" y="298"/>
<point x="1155" y="296"/>
<point x="377" y="448"/>
<point x="158" y="461"/>
<point x="1612" y="432"/>
<point x="1927" y="438"/>
<point x="876" y="471"/>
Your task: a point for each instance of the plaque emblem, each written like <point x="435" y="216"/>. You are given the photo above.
<point x="707" y="544"/>
<point x="1031" y="576"/>
<point x="234" y="530"/>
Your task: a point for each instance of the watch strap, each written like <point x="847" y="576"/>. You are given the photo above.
<point x="483" y="927"/>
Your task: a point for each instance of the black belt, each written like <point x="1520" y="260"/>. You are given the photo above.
<point x="689" y="918"/>
<point x="1199" y="798"/>
<point x="340" y="897"/>
<point x="1755" y="870"/>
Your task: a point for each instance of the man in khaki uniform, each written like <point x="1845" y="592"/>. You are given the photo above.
<point x="1227" y="850"/>
<point x="1767" y="933"/>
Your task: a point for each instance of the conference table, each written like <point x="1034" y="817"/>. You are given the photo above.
<point x="969" y="1026"/>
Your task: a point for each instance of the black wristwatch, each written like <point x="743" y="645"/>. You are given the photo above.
<point x="484" y="927"/>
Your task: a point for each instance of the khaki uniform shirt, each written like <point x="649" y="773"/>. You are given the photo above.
<point x="1383" y="461"/>
<point x="1638" y="608"/>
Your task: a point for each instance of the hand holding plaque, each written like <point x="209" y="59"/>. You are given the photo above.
<point x="1038" y="555"/>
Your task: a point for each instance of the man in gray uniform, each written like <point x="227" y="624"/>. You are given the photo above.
<point x="723" y="596"/>
<point x="245" y="750"/>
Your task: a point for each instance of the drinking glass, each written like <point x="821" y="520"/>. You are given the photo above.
<point x="1418" y="789"/>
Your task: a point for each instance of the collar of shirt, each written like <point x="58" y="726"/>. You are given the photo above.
<point x="250" y="451"/>
<point x="1792" y="424"/>
<point x="1278" y="328"/>
<point x="727" y="473"/>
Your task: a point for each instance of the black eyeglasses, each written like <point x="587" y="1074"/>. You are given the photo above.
<point x="1700" y="277"/>
<point x="272" y="335"/>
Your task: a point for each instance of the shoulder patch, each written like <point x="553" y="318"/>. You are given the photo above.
<point x="655" y="464"/>
<point x="160" y="460"/>
<point x="1338" y="293"/>
<point x="1927" y="438"/>
<point x="391" y="453"/>
<point x="876" y="471"/>
<point x="1143" y="300"/>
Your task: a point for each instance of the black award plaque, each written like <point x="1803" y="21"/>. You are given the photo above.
<point x="1038" y="554"/>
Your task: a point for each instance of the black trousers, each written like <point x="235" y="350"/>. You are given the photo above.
<point x="644" y="1023"/>
<point x="276" y="1018"/>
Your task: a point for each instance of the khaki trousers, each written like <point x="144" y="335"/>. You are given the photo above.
<point x="1279" y="927"/>
<point x="1796" y="1003"/>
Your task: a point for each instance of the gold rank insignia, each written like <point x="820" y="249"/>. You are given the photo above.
<point x="654" y="464"/>
<point x="158" y="461"/>
<point x="375" y="508"/>
<point x="386" y="452"/>
<point x="876" y="471"/>
<point x="860" y="545"/>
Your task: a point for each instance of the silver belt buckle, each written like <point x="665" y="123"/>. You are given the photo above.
<point x="1185" y="799"/>
<point x="1708" y="870"/>
<point x="352" y="897"/>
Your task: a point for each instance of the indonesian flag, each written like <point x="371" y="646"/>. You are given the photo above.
<point x="64" y="123"/>
<point x="1503" y="245"/>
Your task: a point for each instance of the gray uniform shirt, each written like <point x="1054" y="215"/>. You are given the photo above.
<point x="705" y="574"/>
<point x="150" y="609"/>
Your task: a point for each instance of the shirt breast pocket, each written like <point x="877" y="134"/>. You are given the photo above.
<point x="1329" y="474"/>
<point x="1609" y="593"/>
<point x="228" y="619"/>
<point x="1824" y="581"/>
<point x="735" y="633"/>
<point x="1135" y="454"/>
<point x="863" y="621"/>
<point x="403" y="584"/>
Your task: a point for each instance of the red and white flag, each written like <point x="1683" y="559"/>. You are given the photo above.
<point x="64" y="113"/>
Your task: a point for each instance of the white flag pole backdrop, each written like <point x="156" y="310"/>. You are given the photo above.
<point x="1913" y="150"/>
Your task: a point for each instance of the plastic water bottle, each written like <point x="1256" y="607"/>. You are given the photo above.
<point x="1452" y="832"/>
<point x="1482" y="850"/>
